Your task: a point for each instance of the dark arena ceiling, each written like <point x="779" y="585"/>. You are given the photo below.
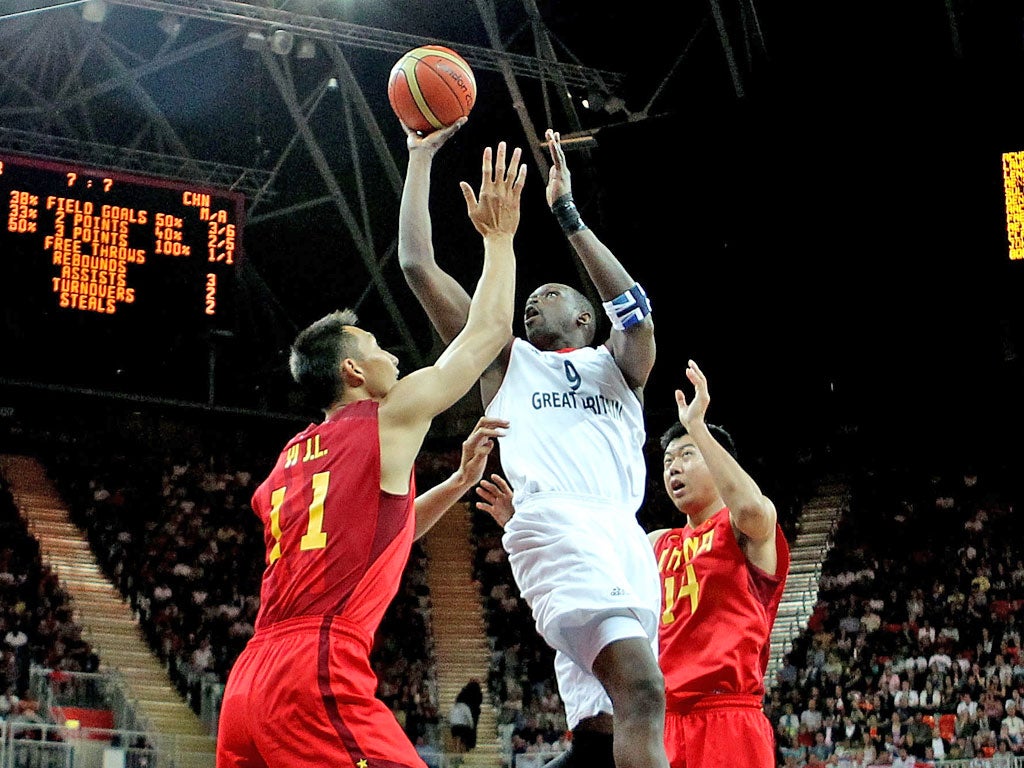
<point x="811" y="192"/>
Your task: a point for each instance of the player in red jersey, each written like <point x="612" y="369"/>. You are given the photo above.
<point x="339" y="519"/>
<point x="722" y="577"/>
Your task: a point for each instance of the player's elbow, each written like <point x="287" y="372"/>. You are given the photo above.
<point x="425" y="280"/>
<point x="414" y="263"/>
<point x="641" y="334"/>
<point x="755" y="520"/>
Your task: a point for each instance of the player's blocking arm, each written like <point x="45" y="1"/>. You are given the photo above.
<point x="495" y="215"/>
<point x="753" y="515"/>
<point x="624" y="300"/>
<point x="412" y="403"/>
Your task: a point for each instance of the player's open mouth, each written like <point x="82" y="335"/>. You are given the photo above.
<point x="529" y="314"/>
<point x="676" y="487"/>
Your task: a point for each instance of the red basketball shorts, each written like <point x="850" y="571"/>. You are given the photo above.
<point x="302" y="695"/>
<point x="721" y="731"/>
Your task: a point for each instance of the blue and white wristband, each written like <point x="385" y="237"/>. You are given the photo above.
<point x="629" y="308"/>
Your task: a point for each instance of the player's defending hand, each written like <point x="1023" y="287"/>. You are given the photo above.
<point x="496" y="210"/>
<point x="691" y="413"/>
<point x="478" y="446"/>
<point x="433" y="140"/>
<point x="559" y="182"/>
<point x="496" y="499"/>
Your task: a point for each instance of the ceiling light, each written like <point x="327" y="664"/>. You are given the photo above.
<point x="94" y="11"/>
<point x="254" y="41"/>
<point x="281" y="42"/>
<point x="170" y="24"/>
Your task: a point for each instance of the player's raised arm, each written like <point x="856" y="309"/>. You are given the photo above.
<point x="414" y="401"/>
<point x="625" y="301"/>
<point x="444" y="300"/>
<point x="752" y="513"/>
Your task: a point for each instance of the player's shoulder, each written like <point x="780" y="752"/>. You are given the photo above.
<point x="659" y="535"/>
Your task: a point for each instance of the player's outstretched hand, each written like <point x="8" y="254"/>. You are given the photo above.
<point x="496" y="499"/>
<point x="692" y="412"/>
<point x="496" y="210"/>
<point x="478" y="446"/>
<point x="432" y="141"/>
<point x="559" y="182"/>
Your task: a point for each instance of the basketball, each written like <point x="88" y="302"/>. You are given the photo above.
<point x="431" y="87"/>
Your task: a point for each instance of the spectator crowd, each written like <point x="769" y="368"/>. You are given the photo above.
<point x="910" y="657"/>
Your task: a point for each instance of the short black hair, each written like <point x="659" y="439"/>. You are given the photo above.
<point x="720" y="434"/>
<point x="316" y="355"/>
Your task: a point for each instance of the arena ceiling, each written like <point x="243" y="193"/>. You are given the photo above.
<point x="757" y="161"/>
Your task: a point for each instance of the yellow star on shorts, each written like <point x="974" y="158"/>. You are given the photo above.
<point x="361" y="763"/>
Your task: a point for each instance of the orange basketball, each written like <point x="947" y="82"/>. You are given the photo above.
<point x="431" y="87"/>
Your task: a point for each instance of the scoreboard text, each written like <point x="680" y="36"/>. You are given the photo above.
<point x="102" y="233"/>
<point x="114" y="281"/>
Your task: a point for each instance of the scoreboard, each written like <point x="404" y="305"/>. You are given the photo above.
<point x="1013" y="184"/>
<point x="112" y="279"/>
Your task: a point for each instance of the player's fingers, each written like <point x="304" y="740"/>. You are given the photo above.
<point x="494" y="422"/>
<point x="440" y="136"/>
<point x="482" y="429"/>
<point x="487" y="435"/>
<point x="500" y="163"/>
<point x="477" y="444"/>
<point x="500" y="484"/>
<point x="469" y="194"/>
<point x="488" y="169"/>
<point x="700" y="374"/>
<point x="513" y="166"/>
<point x="549" y="137"/>
<point x="558" y="148"/>
<point x="520" y="182"/>
<point x="487" y="431"/>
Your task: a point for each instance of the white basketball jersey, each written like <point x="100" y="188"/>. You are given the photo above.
<point x="576" y="427"/>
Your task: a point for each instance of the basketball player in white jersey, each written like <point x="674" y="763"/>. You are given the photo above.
<point x="575" y="457"/>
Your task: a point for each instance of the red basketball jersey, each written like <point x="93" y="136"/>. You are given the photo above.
<point x="717" y="611"/>
<point x="326" y="524"/>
